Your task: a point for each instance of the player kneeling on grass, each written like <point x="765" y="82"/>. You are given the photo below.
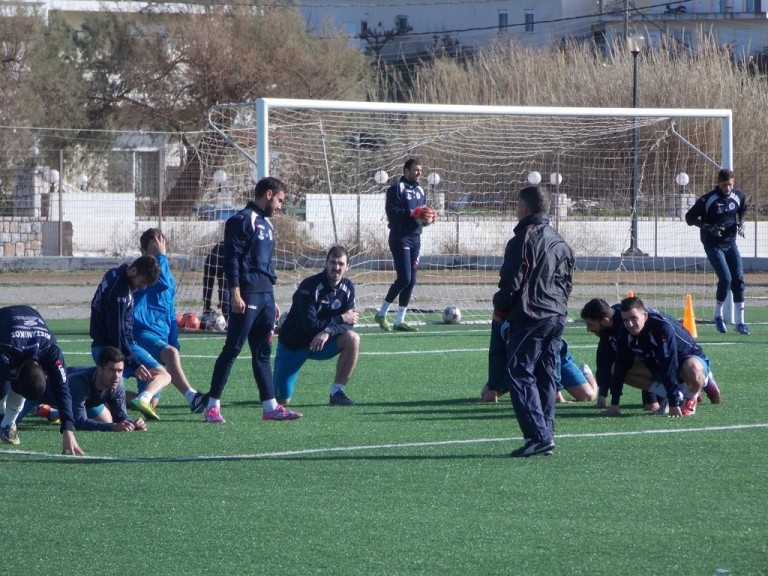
<point x="578" y="382"/>
<point x="98" y="396"/>
<point x="319" y="327"/>
<point x="672" y="356"/>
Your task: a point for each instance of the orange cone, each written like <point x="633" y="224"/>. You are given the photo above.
<point x="689" y="320"/>
<point x="630" y="294"/>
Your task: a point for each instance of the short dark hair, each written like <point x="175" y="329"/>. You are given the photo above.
<point x="268" y="183"/>
<point x="149" y="235"/>
<point x="337" y="252"/>
<point x="147" y="267"/>
<point x="724" y="175"/>
<point x="30" y="380"/>
<point x="632" y="303"/>
<point x="536" y="197"/>
<point x="596" y="309"/>
<point x="110" y="354"/>
<point x="413" y="160"/>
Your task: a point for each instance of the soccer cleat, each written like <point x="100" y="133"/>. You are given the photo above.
<point x="742" y="329"/>
<point x="213" y="415"/>
<point x="383" y="323"/>
<point x="712" y="391"/>
<point x="145" y="408"/>
<point x="720" y="325"/>
<point x="8" y="435"/>
<point x="281" y="413"/>
<point x="341" y="399"/>
<point x="197" y="405"/>
<point x="533" y="448"/>
<point x="44" y="411"/>
<point x="403" y="327"/>
<point x="689" y="407"/>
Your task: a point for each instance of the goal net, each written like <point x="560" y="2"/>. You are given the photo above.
<point x="620" y="181"/>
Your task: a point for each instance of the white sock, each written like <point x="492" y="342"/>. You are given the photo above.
<point x="384" y="308"/>
<point x="718" y="309"/>
<point x="401" y="310"/>
<point x="13" y="405"/>
<point x="213" y="403"/>
<point x="336" y="387"/>
<point x="190" y="394"/>
<point x="270" y="405"/>
<point x="144" y="397"/>
<point x="739" y="312"/>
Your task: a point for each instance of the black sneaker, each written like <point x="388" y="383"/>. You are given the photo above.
<point x="341" y="399"/>
<point x="198" y="404"/>
<point x="533" y="448"/>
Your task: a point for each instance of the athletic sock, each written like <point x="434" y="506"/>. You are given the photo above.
<point x="401" y="310"/>
<point x="144" y="397"/>
<point x="336" y="387"/>
<point x="270" y="405"/>
<point x="718" y="309"/>
<point x="190" y="394"/>
<point x="384" y="308"/>
<point x="13" y="405"/>
<point x="739" y="312"/>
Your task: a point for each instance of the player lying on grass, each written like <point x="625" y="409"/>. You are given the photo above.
<point x="319" y="326"/>
<point x="578" y="383"/>
<point x="98" y="396"/>
<point x="606" y="322"/>
<point x="112" y="325"/>
<point x="669" y="352"/>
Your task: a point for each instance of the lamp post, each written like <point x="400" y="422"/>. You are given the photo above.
<point x="635" y="44"/>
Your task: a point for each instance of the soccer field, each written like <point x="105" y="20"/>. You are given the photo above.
<point x="415" y="479"/>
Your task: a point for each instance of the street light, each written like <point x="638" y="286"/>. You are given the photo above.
<point x="82" y="181"/>
<point x="534" y="178"/>
<point x="381" y="177"/>
<point x="635" y="44"/>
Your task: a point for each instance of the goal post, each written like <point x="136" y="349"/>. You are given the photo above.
<point x="338" y="158"/>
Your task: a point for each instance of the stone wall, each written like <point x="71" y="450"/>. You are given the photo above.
<point x="21" y="237"/>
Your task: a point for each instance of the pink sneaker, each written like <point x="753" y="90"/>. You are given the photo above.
<point x="689" y="407"/>
<point x="281" y="413"/>
<point x="213" y="415"/>
<point x="712" y="391"/>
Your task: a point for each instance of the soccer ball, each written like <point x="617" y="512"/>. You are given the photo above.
<point x="190" y="321"/>
<point x="179" y="320"/>
<point x="213" y="321"/>
<point x="451" y="315"/>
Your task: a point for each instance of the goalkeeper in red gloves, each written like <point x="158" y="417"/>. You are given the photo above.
<point x="407" y="213"/>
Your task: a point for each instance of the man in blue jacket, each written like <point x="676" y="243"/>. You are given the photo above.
<point x="249" y="244"/>
<point x="319" y="326"/>
<point x="535" y="282"/>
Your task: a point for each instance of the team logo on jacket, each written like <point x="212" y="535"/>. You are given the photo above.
<point x="335" y="305"/>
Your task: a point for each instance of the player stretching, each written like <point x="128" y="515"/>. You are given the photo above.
<point x="407" y="213"/>
<point x="249" y="244"/>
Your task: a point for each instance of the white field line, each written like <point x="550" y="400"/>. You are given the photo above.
<point x="372" y="447"/>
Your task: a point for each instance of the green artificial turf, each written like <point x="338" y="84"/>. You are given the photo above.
<point x="415" y="479"/>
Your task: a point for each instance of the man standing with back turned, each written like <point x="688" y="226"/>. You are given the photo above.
<point x="535" y="282"/>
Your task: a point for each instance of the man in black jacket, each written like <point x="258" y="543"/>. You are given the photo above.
<point x="535" y="282"/>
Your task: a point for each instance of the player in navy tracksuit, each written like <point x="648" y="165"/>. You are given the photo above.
<point x="28" y="354"/>
<point x="249" y="243"/>
<point x="667" y="349"/>
<point x="720" y="215"/>
<point x="535" y="282"/>
<point x="405" y="205"/>
<point x="319" y="326"/>
<point x="112" y="325"/>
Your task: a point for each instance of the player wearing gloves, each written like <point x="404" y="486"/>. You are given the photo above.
<point x="720" y="216"/>
<point x="407" y="214"/>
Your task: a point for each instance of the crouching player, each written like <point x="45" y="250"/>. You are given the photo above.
<point x="98" y="396"/>
<point x="578" y="382"/>
<point x="668" y="351"/>
<point x="319" y="327"/>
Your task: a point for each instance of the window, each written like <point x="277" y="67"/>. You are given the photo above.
<point x="503" y="21"/>
<point x="401" y="24"/>
<point x="529" y="20"/>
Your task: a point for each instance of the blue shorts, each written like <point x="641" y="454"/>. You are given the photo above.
<point x="145" y="358"/>
<point x="151" y="343"/>
<point x="570" y="375"/>
<point x="657" y="387"/>
<point x="288" y="363"/>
